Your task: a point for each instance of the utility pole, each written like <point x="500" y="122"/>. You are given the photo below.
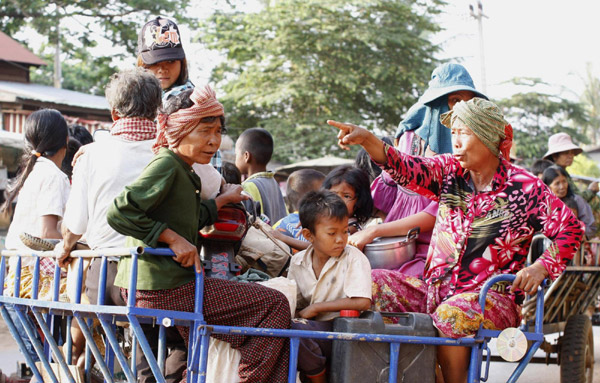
<point x="479" y="17"/>
<point x="57" y="71"/>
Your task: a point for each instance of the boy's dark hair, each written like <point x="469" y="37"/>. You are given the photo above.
<point x="183" y="101"/>
<point x="81" y="134"/>
<point x="259" y="143"/>
<point x="318" y="204"/>
<point x="299" y="183"/>
<point x="554" y="171"/>
<point x="539" y="166"/>
<point x="359" y="180"/>
<point x="571" y="203"/>
<point x="231" y="173"/>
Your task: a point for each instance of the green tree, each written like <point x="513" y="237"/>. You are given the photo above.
<point x="591" y="100"/>
<point x="297" y="63"/>
<point x="535" y="116"/>
<point x="82" y="24"/>
<point x="584" y="166"/>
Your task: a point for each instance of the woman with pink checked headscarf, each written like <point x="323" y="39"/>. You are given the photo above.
<point x="163" y="208"/>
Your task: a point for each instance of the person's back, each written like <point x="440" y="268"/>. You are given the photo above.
<point x="103" y="171"/>
<point x="253" y="152"/>
<point x="107" y="166"/>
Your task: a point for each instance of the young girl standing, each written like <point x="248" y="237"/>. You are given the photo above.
<point x="41" y="186"/>
<point x="43" y="190"/>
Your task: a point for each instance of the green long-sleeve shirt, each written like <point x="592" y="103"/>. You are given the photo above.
<point x="165" y="195"/>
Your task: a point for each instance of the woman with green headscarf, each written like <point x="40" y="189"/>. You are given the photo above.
<point x="489" y="210"/>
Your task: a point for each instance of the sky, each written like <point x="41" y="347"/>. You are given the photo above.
<point x="552" y="40"/>
<point x="548" y="39"/>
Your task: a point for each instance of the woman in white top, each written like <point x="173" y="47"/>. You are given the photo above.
<point x="42" y="190"/>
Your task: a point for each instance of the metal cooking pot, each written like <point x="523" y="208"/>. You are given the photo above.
<point x="392" y="252"/>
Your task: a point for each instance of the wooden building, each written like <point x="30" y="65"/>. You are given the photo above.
<point x="19" y="98"/>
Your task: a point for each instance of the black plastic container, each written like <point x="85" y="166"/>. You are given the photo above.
<point x="368" y="362"/>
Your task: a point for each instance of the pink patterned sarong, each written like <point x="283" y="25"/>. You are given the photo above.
<point x="456" y="316"/>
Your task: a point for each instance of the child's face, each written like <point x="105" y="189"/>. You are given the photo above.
<point x="167" y="72"/>
<point x="201" y="144"/>
<point x="330" y="236"/>
<point x="347" y="194"/>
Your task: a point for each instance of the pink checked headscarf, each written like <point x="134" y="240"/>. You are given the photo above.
<point x="172" y="128"/>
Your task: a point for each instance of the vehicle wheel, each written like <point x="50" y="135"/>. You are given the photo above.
<point x="577" y="351"/>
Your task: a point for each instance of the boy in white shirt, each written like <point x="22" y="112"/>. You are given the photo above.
<point x="331" y="276"/>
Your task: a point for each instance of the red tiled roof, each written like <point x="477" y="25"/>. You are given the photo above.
<point x="10" y="50"/>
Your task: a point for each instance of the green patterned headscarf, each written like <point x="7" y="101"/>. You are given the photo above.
<point x="484" y="118"/>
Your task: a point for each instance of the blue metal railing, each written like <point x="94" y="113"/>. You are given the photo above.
<point x="46" y="311"/>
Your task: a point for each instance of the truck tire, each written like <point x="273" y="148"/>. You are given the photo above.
<point x="577" y="351"/>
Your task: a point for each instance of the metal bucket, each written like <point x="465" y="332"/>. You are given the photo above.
<point x="392" y="252"/>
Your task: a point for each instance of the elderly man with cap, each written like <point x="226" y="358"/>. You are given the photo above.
<point x="488" y="212"/>
<point x="164" y="208"/>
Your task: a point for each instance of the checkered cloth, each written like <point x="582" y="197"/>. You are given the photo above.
<point x="227" y="303"/>
<point x="134" y="129"/>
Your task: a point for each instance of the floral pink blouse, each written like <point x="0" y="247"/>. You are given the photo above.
<point x="478" y="235"/>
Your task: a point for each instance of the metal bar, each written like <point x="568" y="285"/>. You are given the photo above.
<point x="139" y="333"/>
<point x="394" y="353"/>
<point x="79" y="283"/>
<point x="132" y="280"/>
<point x="114" y="343"/>
<point x="108" y="252"/>
<point x="58" y="356"/>
<point x="523" y="363"/>
<point x="162" y="348"/>
<point x="487" y="362"/>
<point x="69" y="341"/>
<point x="102" y="281"/>
<point x="200" y="361"/>
<point x="193" y="361"/>
<point x="133" y="354"/>
<point x="37" y="345"/>
<point x="109" y="358"/>
<point x="198" y="323"/>
<point x="15" y="334"/>
<point x="474" y="371"/>
<point x="88" y="351"/>
<point x="17" y="285"/>
<point x="345" y="336"/>
<point x="35" y="286"/>
<point x="93" y="348"/>
<point x="293" y="366"/>
<point x="51" y="319"/>
<point x="2" y="274"/>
